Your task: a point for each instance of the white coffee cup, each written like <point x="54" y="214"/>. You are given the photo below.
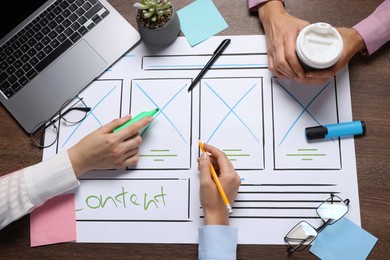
<point x="319" y="46"/>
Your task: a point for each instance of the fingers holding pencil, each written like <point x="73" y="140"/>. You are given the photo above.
<point x="210" y="196"/>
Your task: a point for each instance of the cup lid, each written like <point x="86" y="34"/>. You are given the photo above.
<point x="319" y="45"/>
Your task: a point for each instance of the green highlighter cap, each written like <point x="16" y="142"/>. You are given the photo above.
<point x="137" y="118"/>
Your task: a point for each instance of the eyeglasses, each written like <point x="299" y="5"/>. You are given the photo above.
<point x="303" y="234"/>
<point x="71" y="116"/>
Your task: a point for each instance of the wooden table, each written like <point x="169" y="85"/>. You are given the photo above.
<point x="370" y="89"/>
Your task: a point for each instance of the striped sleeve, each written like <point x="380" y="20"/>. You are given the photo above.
<point x="24" y="190"/>
<point x="14" y="198"/>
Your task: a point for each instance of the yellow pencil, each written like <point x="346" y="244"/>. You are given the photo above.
<point x="219" y="186"/>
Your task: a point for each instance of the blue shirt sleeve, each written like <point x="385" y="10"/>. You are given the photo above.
<point x="217" y="242"/>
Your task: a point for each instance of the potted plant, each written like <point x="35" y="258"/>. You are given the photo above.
<point x="158" y="23"/>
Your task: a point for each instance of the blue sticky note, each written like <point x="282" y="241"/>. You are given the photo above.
<point x="343" y="240"/>
<point x="200" y="20"/>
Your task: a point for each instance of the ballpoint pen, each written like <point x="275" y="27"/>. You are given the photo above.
<point x="215" y="56"/>
<point x="219" y="186"/>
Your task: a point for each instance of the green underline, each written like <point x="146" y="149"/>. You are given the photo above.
<point x="158" y="155"/>
<point x="319" y="154"/>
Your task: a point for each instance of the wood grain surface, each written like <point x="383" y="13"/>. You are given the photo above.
<point x="370" y="90"/>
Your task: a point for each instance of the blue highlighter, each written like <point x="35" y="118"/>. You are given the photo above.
<point x="354" y="128"/>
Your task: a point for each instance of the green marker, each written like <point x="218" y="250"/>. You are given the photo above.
<point x="137" y="118"/>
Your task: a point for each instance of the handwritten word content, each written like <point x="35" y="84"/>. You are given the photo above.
<point x="132" y="200"/>
<point x="124" y="199"/>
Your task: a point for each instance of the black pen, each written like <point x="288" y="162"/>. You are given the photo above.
<point x="215" y="56"/>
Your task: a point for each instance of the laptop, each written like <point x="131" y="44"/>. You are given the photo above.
<point x="52" y="49"/>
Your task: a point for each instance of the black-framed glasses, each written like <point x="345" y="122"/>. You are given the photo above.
<point x="303" y="234"/>
<point x="71" y="116"/>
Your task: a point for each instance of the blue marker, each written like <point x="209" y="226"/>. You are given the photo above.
<point x="335" y="130"/>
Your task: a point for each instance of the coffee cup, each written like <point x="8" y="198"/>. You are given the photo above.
<point x="319" y="46"/>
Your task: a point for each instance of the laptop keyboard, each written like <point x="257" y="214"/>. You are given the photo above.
<point x="44" y="39"/>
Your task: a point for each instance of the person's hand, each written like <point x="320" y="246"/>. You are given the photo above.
<point x="281" y="31"/>
<point x="103" y="149"/>
<point x="215" y="212"/>
<point x="353" y="43"/>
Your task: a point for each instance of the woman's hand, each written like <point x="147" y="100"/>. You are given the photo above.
<point x="103" y="149"/>
<point x="215" y="212"/>
<point x="352" y="44"/>
<point x="281" y="31"/>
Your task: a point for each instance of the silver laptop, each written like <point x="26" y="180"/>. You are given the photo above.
<point x="51" y="50"/>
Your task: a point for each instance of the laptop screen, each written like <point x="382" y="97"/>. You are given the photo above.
<point x="15" y="12"/>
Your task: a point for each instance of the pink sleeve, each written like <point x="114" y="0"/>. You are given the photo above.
<point x="375" y="29"/>
<point x="252" y="4"/>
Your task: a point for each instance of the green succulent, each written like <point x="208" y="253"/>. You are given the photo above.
<point x="153" y="9"/>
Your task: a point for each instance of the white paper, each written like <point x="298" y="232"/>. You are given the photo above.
<point x="238" y="106"/>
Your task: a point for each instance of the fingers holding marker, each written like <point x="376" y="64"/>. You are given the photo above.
<point x="139" y="117"/>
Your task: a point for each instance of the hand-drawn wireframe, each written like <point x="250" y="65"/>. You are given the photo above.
<point x="99" y="95"/>
<point x="231" y="118"/>
<point x="239" y="107"/>
<point x="287" y="201"/>
<point x="173" y="151"/>
<point x="305" y="104"/>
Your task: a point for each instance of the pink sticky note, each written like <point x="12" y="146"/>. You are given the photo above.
<point x="54" y="222"/>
